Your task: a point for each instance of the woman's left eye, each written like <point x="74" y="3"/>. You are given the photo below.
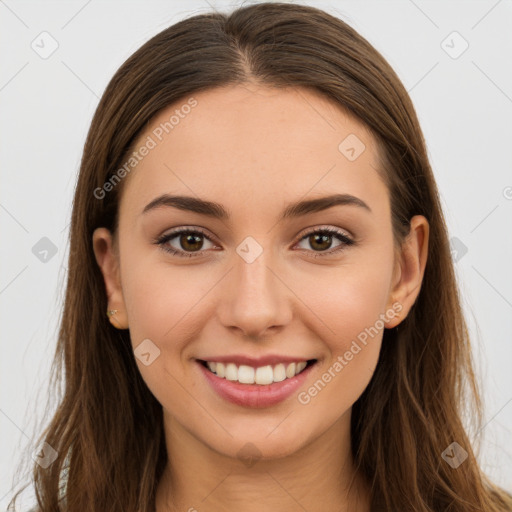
<point x="322" y="237"/>
<point x="192" y="239"/>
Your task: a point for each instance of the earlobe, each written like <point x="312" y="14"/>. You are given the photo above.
<point x="412" y="263"/>
<point x="108" y="261"/>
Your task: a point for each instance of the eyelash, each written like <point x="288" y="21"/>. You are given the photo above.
<point x="162" y="240"/>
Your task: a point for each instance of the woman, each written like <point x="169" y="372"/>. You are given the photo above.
<point x="261" y="308"/>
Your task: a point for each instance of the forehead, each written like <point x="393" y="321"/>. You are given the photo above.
<point x="263" y="144"/>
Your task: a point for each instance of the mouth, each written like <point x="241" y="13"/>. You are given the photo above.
<point x="256" y="388"/>
<point x="260" y="376"/>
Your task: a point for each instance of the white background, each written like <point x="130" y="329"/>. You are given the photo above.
<point x="465" y="109"/>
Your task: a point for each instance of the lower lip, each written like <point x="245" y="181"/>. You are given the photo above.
<point x="255" y="395"/>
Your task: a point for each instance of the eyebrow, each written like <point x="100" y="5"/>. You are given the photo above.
<point x="217" y="211"/>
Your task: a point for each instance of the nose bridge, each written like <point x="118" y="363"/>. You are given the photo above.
<point x="257" y="298"/>
<point x="255" y="281"/>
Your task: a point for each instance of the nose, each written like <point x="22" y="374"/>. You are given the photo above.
<point x="256" y="298"/>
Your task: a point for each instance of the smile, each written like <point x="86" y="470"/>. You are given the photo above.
<point x="262" y="375"/>
<point x="261" y="390"/>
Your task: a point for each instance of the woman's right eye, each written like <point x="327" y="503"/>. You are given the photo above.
<point x="191" y="239"/>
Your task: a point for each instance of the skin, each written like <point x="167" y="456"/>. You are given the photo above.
<point x="254" y="150"/>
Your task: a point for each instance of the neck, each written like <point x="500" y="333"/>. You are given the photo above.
<point x="318" y="476"/>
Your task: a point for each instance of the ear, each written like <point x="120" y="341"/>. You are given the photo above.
<point x="105" y="251"/>
<point x="409" y="269"/>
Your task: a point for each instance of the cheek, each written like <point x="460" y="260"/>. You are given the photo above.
<point x="349" y="307"/>
<point x="160" y="302"/>
<point x="160" y="298"/>
<point x="360" y="301"/>
<point x="163" y="304"/>
<point x="358" y="328"/>
<point x="353" y="349"/>
<point x="345" y="301"/>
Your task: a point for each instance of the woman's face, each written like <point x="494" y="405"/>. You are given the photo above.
<point x="257" y="283"/>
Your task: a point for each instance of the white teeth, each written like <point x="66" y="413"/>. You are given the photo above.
<point x="300" y="367"/>
<point x="279" y="372"/>
<point x="231" y="371"/>
<point x="220" y="370"/>
<point x="246" y="374"/>
<point x="262" y="375"/>
<point x="290" y="370"/>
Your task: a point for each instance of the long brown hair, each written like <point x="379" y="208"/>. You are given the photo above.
<point x="108" y="429"/>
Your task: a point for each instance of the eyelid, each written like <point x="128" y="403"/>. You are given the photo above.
<point x="325" y="228"/>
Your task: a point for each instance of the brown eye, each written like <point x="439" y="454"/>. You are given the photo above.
<point x="189" y="242"/>
<point x="321" y="241"/>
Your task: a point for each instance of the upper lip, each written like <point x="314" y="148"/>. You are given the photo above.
<point x="255" y="362"/>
